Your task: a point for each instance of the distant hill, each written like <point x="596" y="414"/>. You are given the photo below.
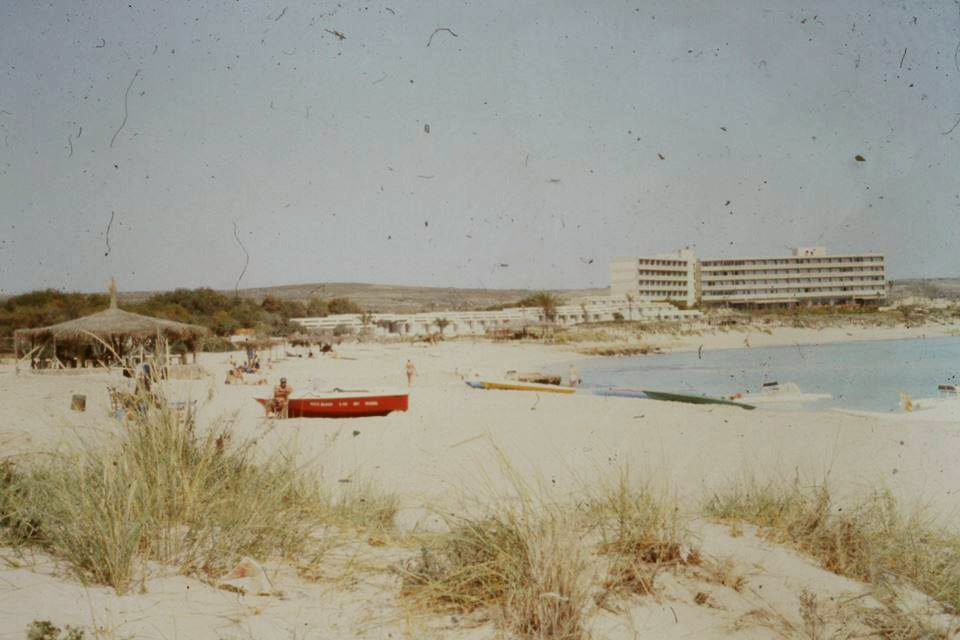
<point x="403" y="299"/>
<point x="390" y="298"/>
<point x="925" y="288"/>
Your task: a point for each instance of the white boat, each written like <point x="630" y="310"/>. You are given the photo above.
<point x="773" y="393"/>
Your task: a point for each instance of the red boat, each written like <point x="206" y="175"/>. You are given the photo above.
<point x="343" y="403"/>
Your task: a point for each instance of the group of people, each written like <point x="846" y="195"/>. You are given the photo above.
<point x="236" y="371"/>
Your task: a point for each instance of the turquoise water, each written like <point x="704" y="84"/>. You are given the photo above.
<point x="859" y="375"/>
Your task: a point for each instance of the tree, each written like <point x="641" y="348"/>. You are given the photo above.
<point x="338" y="306"/>
<point x="442" y="323"/>
<point x="547" y="302"/>
<point x="629" y="306"/>
<point x="271" y="305"/>
<point x="317" y="308"/>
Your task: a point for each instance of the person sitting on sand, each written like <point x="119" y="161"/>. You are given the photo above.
<point x="281" y="395"/>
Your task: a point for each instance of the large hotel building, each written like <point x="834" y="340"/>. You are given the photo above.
<point x="809" y="276"/>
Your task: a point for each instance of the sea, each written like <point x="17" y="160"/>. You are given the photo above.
<point x="867" y="375"/>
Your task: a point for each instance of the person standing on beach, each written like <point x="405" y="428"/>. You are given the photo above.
<point x="572" y="376"/>
<point x="410" y="371"/>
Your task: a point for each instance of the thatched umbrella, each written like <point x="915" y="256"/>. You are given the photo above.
<point x="114" y="327"/>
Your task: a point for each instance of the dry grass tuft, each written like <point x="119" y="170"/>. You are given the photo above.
<point x="524" y="558"/>
<point x="892" y="622"/>
<point x="644" y="532"/>
<point x="871" y="540"/>
<point x="723" y="572"/>
<point x="642" y="523"/>
<point x="529" y="565"/>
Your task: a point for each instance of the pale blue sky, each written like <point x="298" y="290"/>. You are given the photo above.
<point x="546" y="121"/>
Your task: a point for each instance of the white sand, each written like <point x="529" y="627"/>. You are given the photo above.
<point x="443" y="448"/>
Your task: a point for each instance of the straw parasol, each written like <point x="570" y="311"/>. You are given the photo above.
<point x="113" y="326"/>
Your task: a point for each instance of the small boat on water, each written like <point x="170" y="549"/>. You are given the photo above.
<point x="692" y="399"/>
<point x="516" y="385"/>
<point x="774" y="392"/>
<point x="343" y="403"/>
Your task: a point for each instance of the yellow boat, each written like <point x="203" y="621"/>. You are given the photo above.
<point x="515" y="385"/>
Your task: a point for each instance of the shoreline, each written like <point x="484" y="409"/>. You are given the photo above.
<point x="758" y="336"/>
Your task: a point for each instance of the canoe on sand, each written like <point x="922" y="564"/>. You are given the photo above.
<point x="516" y="385"/>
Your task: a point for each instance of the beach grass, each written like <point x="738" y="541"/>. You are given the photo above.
<point x="543" y="564"/>
<point x="642" y="531"/>
<point x="869" y="539"/>
<point x="529" y="567"/>
<point x="158" y="487"/>
<point x="522" y="556"/>
<point x="640" y="520"/>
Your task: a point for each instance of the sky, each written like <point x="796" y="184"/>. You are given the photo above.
<point x="492" y="143"/>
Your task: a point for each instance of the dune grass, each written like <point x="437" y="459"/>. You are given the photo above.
<point x="637" y="519"/>
<point x="642" y="532"/>
<point x="543" y="564"/>
<point x="871" y="540"/>
<point x="157" y="487"/>
<point x="529" y="566"/>
<point x="521" y="557"/>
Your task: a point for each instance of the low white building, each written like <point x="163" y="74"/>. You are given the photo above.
<point x="592" y="309"/>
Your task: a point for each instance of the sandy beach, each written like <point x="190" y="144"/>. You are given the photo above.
<point x="448" y="449"/>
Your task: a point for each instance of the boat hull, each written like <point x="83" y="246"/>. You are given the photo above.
<point x="343" y="405"/>
<point x="512" y="385"/>
<point x="692" y="399"/>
